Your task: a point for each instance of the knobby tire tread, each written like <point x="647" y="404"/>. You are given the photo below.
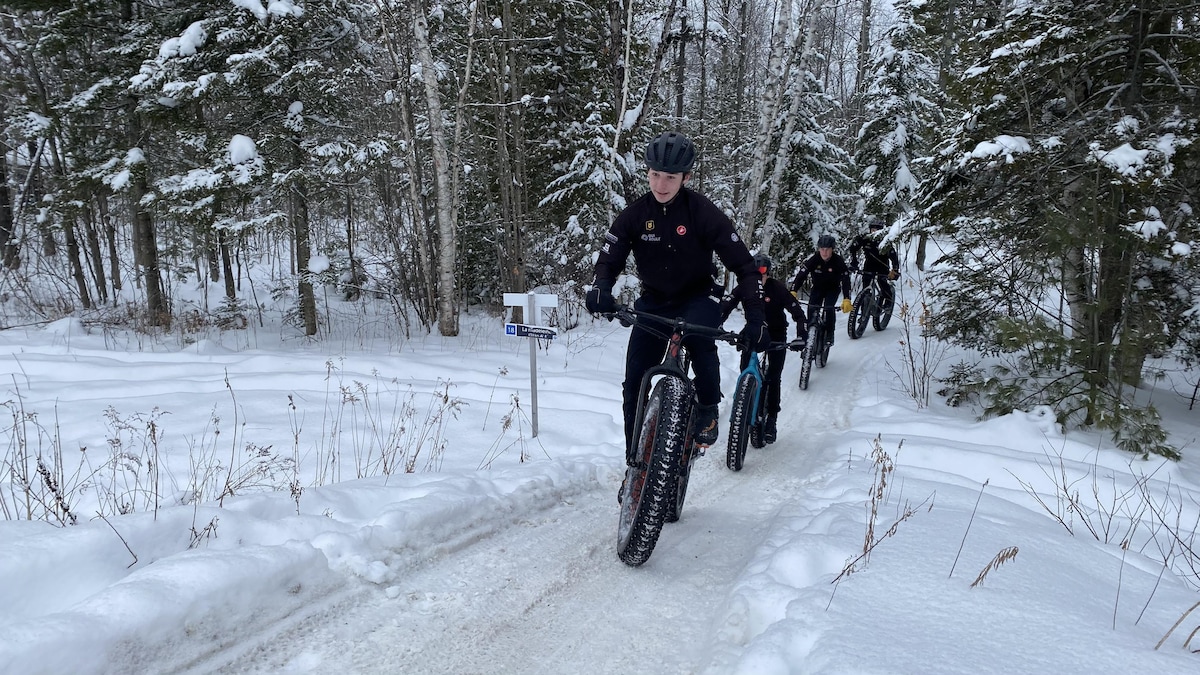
<point x="883" y="314"/>
<point x="809" y="353"/>
<point x="740" y="422"/>
<point x="856" y="321"/>
<point x="661" y="439"/>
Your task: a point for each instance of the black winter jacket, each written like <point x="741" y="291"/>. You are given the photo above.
<point x="673" y="246"/>
<point x="875" y="258"/>
<point x="827" y="276"/>
<point x="776" y="299"/>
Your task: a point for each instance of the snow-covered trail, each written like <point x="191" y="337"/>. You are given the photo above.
<point x="547" y="593"/>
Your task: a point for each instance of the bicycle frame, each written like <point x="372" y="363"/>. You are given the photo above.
<point x="675" y="363"/>
<point x="869" y="306"/>
<point x="754" y="368"/>
<point x="656" y="484"/>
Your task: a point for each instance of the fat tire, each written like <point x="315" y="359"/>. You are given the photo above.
<point x="856" y="321"/>
<point x="675" y="507"/>
<point x="807" y="358"/>
<point x="740" y="421"/>
<point x="647" y="495"/>
<point x="758" y="438"/>
<point x="884" y="313"/>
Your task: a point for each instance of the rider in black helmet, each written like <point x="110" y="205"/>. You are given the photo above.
<point x="878" y="258"/>
<point x="829" y="274"/>
<point x="776" y="300"/>
<point x="673" y="233"/>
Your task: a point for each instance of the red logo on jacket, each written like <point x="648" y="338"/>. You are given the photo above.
<point x="681" y="230"/>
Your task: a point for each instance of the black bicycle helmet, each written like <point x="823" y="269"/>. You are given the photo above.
<point x="670" y="152"/>
<point x="876" y="224"/>
<point x="826" y="241"/>
<point x="762" y="260"/>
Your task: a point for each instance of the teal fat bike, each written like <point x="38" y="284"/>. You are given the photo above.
<point x="747" y="413"/>
<point x="664" y="448"/>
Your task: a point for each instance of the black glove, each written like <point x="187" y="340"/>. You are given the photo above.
<point x="600" y="299"/>
<point x="757" y="338"/>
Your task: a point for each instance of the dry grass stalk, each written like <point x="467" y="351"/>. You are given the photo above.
<point x="1176" y="625"/>
<point x="964" y="539"/>
<point x="1002" y="557"/>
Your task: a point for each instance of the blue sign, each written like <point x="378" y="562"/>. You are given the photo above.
<point x="522" y="330"/>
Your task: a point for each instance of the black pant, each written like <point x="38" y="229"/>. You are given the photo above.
<point x="828" y="299"/>
<point x="772" y="373"/>
<point x="885" y="289"/>
<point x="646" y="351"/>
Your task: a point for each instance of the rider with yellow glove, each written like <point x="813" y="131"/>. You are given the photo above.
<point x="879" y="258"/>
<point x="829" y="274"/>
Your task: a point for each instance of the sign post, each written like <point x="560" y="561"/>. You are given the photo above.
<point x="531" y="302"/>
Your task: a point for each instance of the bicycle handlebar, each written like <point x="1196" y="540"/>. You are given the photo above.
<point x="630" y="317"/>
<point x="636" y="317"/>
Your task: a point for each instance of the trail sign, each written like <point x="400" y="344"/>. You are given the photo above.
<point x="522" y="330"/>
<point x="531" y="302"/>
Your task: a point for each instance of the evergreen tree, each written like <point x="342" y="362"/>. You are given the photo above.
<point x="900" y="115"/>
<point x="1067" y="193"/>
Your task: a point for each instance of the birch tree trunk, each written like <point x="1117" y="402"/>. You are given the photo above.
<point x="421" y="283"/>
<point x="446" y="226"/>
<point x="777" y="66"/>
<point x="796" y="89"/>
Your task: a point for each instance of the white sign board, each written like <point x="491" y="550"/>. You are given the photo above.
<point x="532" y="303"/>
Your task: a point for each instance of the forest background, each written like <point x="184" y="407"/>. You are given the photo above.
<point x="421" y="159"/>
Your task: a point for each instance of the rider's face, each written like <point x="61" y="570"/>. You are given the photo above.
<point x="826" y="253"/>
<point x="666" y="185"/>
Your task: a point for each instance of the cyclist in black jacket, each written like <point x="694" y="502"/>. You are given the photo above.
<point x="829" y="274"/>
<point x="673" y="233"/>
<point x="877" y="259"/>
<point x="776" y="300"/>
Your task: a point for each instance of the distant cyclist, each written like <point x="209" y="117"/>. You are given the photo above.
<point x="673" y="233"/>
<point x="830" y="274"/>
<point x="877" y="259"/>
<point x="776" y="300"/>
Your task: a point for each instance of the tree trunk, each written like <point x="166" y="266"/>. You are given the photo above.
<point x="446" y="227"/>
<point x="680" y="65"/>
<point x="735" y="58"/>
<point x="76" y="264"/>
<point x="301" y="236"/>
<point x="226" y="263"/>
<point x="623" y="143"/>
<point x="778" y="69"/>
<point x="145" y="244"/>
<point x="110" y="239"/>
<point x="796" y="88"/>
<point x="410" y="218"/>
<point x="9" y="252"/>
<point x="702" y="103"/>
<point x="95" y="255"/>
<point x="32" y="195"/>
<point x="864" y="51"/>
